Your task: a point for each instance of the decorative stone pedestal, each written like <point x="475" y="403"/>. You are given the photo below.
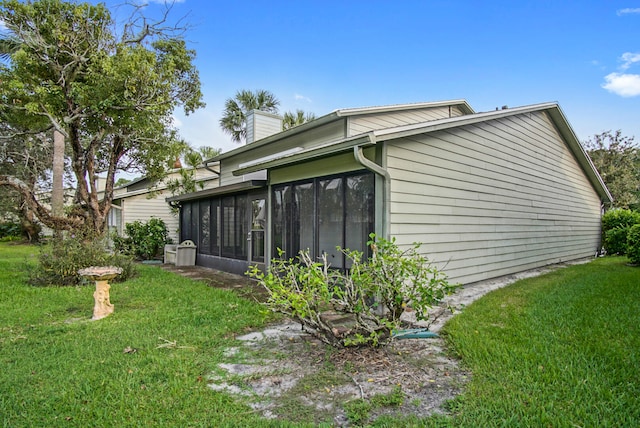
<point x="101" y="275"/>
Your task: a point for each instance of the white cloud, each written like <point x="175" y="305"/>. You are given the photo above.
<point x="625" y="85"/>
<point x="299" y="97"/>
<point x="627" y="11"/>
<point x="629" y="58"/>
<point x="3" y="26"/>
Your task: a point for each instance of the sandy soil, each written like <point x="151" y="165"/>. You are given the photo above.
<point x="286" y="373"/>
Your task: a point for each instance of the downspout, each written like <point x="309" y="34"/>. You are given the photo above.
<point x="208" y="168"/>
<point x="377" y="169"/>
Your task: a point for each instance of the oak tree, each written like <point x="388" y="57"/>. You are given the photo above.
<point x="110" y="89"/>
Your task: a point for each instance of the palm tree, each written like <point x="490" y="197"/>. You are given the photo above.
<point x="8" y="46"/>
<point x="234" y="117"/>
<point x="291" y="119"/>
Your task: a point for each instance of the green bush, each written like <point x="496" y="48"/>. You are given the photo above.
<point x="60" y="260"/>
<point x="615" y="226"/>
<point x="361" y="306"/>
<point x="10" y="229"/>
<point x="615" y="240"/>
<point x="633" y="244"/>
<point x="143" y="240"/>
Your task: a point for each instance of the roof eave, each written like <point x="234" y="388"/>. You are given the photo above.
<point x="465" y="107"/>
<point x="217" y="191"/>
<point x="339" y="114"/>
<point x="307" y="155"/>
<point x="267" y="140"/>
<point x="565" y="129"/>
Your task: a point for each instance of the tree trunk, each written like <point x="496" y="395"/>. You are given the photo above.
<point x="57" y="189"/>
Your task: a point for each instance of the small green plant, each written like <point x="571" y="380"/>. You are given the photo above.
<point x="60" y="260"/>
<point x="615" y="226"/>
<point x="633" y="244"/>
<point x="143" y="240"/>
<point x="361" y="306"/>
<point x="358" y="411"/>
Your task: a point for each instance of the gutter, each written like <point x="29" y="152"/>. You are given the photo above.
<point x="359" y="156"/>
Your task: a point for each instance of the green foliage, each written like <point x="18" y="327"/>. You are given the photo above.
<point x="358" y="411"/>
<point x="617" y="159"/>
<point x="185" y="184"/>
<point x="121" y="182"/>
<point x="361" y="306"/>
<point x="291" y="119"/>
<point x="110" y="87"/>
<point x="633" y="244"/>
<point x="615" y="226"/>
<point x="10" y="229"/>
<point x="234" y="117"/>
<point x="60" y="260"/>
<point x="143" y="240"/>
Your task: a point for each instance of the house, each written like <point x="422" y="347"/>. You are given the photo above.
<point x="141" y="199"/>
<point x="486" y="193"/>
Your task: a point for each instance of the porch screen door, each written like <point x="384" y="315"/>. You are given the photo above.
<point x="256" y="235"/>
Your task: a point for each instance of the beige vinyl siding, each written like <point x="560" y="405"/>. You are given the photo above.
<point x="492" y="199"/>
<point x="139" y="208"/>
<point x="361" y="124"/>
<point x="330" y="132"/>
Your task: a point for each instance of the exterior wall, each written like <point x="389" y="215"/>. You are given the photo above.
<point x="261" y="124"/>
<point x="365" y="123"/>
<point x="492" y="199"/>
<point x="142" y="209"/>
<point x="136" y="206"/>
<point x="332" y="165"/>
<point x="330" y="132"/>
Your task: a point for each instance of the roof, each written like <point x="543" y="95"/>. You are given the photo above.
<point x="219" y="191"/>
<point x="338" y="114"/>
<point x="371" y="138"/>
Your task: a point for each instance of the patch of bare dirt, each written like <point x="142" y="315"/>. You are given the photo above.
<point x="286" y="373"/>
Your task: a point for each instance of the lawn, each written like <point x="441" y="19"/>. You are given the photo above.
<point x="559" y="350"/>
<point x="145" y="365"/>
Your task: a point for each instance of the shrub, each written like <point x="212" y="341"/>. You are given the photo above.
<point x="60" y="260"/>
<point x="143" y="240"/>
<point x="10" y="231"/>
<point x="615" y="240"/>
<point x="633" y="244"/>
<point x="615" y="226"/>
<point x="361" y="306"/>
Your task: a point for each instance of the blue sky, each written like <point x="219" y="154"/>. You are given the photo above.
<point x="323" y="55"/>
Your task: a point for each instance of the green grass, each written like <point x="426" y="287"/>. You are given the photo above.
<point x="61" y="369"/>
<point x="558" y="350"/>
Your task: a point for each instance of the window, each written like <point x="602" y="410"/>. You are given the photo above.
<point x="331" y="220"/>
<point x="204" y="243"/>
<point x="323" y="214"/>
<point x="189" y="222"/>
<point x="215" y="227"/>
<point x="218" y="226"/>
<point x="234" y="227"/>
